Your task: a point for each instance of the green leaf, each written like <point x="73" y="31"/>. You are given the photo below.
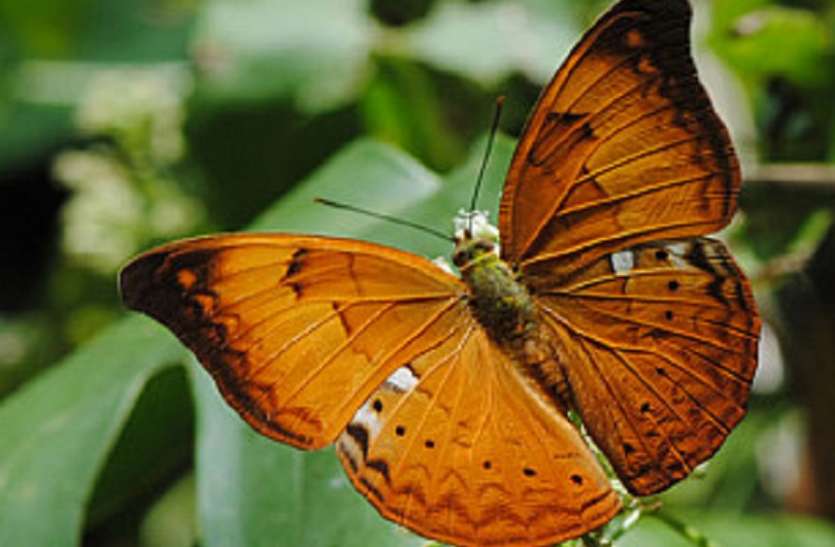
<point x="733" y="531"/>
<point x="406" y="104"/>
<point x="128" y="478"/>
<point x="313" y="52"/>
<point x="365" y="173"/>
<point x="489" y="41"/>
<point x="171" y="522"/>
<point x="777" y="41"/>
<point x="59" y="429"/>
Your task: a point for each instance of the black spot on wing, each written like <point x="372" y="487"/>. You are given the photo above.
<point x="555" y="124"/>
<point x="699" y="258"/>
<point x="380" y="467"/>
<point x="371" y="489"/>
<point x="296" y="262"/>
<point x="360" y="435"/>
<point x="295" y="266"/>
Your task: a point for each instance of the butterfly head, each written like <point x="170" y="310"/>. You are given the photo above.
<point x="475" y="238"/>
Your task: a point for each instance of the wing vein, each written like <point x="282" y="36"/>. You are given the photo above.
<point x="625" y="234"/>
<point x="402" y="344"/>
<point x="644" y="190"/>
<point x="643" y="154"/>
<point x="614" y="396"/>
<point x="695" y="400"/>
<point x="678" y="454"/>
<point x="651" y="351"/>
<point x="332" y="355"/>
<point x="664" y="328"/>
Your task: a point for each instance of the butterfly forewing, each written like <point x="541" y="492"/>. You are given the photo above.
<point x="297" y="331"/>
<point x="622" y="147"/>
<point x="458" y="446"/>
<point x="659" y="344"/>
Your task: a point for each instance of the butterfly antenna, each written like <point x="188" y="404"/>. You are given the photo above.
<point x="494" y="127"/>
<point x="387" y="218"/>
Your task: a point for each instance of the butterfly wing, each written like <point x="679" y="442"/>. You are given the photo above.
<point x="300" y="332"/>
<point x="623" y="146"/>
<point x="459" y="447"/>
<point x="296" y="331"/>
<point x="659" y="344"/>
<point x="658" y="340"/>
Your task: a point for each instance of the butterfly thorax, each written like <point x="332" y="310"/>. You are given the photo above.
<point x="498" y="301"/>
<point x="504" y="307"/>
<point x="506" y="310"/>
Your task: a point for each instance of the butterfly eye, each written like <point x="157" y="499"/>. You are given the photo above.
<point x="484" y="246"/>
<point x="460" y="258"/>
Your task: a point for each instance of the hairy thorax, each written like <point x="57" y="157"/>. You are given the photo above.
<point x="506" y="310"/>
<point x="500" y="303"/>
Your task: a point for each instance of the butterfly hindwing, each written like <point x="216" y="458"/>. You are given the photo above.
<point x="297" y="331"/>
<point x="458" y="446"/>
<point x="623" y="146"/>
<point x="659" y="345"/>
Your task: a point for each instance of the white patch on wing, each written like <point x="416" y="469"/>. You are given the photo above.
<point x="623" y="262"/>
<point x="349" y="446"/>
<point x="402" y="380"/>
<point x="677" y="252"/>
<point x="443" y="264"/>
<point x="369" y="421"/>
<point x="368" y="418"/>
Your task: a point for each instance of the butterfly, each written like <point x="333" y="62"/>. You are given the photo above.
<point x="447" y="397"/>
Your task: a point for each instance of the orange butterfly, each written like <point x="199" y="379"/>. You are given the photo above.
<point x="446" y="396"/>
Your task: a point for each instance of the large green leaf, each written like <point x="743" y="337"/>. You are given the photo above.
<point x="773" y="41"/>
<point x="313" y="52"/>
<point x="59" y="428"/>
<point x="488" y="42"/>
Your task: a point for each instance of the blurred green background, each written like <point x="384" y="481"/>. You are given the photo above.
<point x="130" y="123"/>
